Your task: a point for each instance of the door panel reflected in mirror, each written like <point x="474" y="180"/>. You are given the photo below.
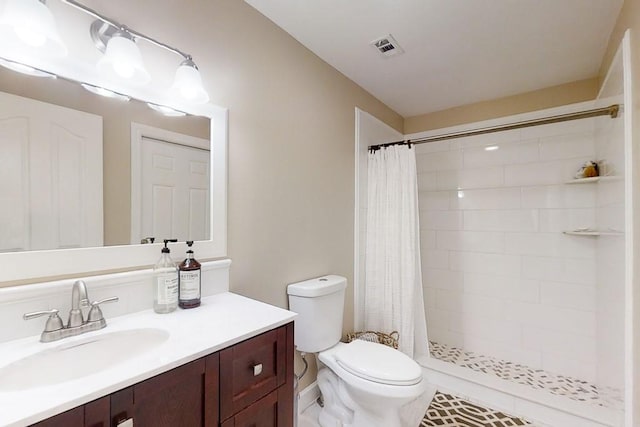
<point x="73" y="177"/>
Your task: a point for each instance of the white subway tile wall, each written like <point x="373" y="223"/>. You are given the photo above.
<point x="500" y="277"/>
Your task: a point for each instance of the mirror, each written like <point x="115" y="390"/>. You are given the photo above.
<point x="98" y="171"/>
<point x="120" y="245"/>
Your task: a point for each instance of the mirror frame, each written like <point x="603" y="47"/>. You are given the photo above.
<point x="29" y="265"/>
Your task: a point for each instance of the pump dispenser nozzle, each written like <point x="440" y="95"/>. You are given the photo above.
<point x="166" y="250"/>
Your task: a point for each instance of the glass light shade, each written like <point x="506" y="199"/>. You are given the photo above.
<point x="167" y="111"/>
<point x="188" y="84"/>
<point x="33" y="24"/>
<point x="25" y="69"/>
<point x="105" y="92"/>
<point x="122" y="59"/>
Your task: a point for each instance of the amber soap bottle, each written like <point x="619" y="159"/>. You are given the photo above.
<point x="190" y="284"/>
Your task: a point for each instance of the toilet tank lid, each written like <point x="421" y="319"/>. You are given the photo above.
<point x="319" y="286"/>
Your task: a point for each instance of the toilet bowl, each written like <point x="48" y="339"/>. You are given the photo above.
<point x="367" y="384"/>
<point x="363" y="384"/>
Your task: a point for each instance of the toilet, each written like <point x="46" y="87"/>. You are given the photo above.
<point x="363" y="384"/>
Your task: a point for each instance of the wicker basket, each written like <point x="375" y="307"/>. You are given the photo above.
<point x="378" y="337"/>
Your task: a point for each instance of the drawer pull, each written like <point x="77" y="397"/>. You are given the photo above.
<point x="257" y="369"/>
<point x="126" y="423"/>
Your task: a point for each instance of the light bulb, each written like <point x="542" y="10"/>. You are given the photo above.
<point x="30" y="35"/>
<point x="124" y="69"/>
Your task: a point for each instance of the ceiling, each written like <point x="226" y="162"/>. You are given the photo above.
<point x="457" y="52"/>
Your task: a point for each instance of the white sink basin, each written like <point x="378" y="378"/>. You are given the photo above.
<point x="70" y="361"/>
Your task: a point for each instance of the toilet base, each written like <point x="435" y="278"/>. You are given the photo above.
<point x="341" y="411"/>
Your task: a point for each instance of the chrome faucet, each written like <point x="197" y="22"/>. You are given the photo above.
<point x="54" y="328"/>
<point x="79" y="298"/>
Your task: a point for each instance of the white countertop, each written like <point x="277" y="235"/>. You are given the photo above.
<point x="221" y="321"/>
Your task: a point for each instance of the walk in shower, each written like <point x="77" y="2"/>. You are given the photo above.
<point x="523" y="262"/>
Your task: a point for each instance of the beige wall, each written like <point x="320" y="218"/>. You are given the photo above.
<point x="291" y="140"/>
<point x="629" y="18"/>
<point x="116" y="119"/>
<point x="583" y="90"/>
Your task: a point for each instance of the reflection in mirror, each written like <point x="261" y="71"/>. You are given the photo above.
<point x="74" y="177"/>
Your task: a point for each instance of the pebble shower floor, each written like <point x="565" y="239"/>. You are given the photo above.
<point x="561" y="385"/>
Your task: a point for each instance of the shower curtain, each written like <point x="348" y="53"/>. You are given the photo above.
<point x="393" y="277"/>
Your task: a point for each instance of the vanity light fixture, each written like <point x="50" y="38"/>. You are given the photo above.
<point x="105" y="92"/>
<point x="491" y="148"/>
<point x="32" y="22"/>
<point x="121" y="55"/>
<point x="167" y="111"/>
<point x="25" y="69"/>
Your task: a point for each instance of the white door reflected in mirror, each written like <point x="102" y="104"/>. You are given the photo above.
<point x="50" y="176"/>
<point x="172" y="172"/>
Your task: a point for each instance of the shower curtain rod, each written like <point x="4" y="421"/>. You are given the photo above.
<point x="611" y="111"/>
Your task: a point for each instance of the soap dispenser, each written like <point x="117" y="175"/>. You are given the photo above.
<point x="165" y="277"/>
<point x="190" y="280"/>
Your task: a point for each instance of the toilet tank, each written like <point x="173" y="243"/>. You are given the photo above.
<point x="319" y="303"/>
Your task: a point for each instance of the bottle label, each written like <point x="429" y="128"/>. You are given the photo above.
<point x="189" y="285"/>
<point x="168" y="289"/>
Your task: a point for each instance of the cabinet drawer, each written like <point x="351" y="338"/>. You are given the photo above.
<point x="251" y="369"/>
<point x="263" y="413"/>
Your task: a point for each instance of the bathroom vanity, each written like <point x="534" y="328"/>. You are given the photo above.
<point x="227" y="363"/>
<point x="248" y="382"/>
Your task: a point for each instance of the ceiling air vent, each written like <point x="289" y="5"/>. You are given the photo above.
<point x="387" y="46"/>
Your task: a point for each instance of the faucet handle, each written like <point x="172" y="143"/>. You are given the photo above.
<point x="95" y="314"/>
<point x="54" y="322"/>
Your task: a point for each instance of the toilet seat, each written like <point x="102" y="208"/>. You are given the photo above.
<point x="378" y="363"/>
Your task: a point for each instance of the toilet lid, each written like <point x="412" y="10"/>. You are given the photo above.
<point x="378" y="363"/>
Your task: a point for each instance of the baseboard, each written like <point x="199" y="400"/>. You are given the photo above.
<point x="308" y="396"/>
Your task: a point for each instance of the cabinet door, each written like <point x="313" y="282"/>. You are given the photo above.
<point x="96" y="413"/>
<point x="174" y="398"/>
<point x="263" y="413"/>
<point x="73" y="417"/>
<point x="93" y="414"/>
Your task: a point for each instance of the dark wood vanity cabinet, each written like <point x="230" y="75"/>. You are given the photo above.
<point x="248" y="384"/>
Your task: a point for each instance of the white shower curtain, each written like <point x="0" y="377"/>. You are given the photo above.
<point x="393" y="278"/>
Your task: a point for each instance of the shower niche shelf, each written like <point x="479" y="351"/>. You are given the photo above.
<point x="593" y="233"/>
<point x="594" y="179"/>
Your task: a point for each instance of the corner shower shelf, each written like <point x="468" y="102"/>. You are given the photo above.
<point x="593" y="233"/>
<point x="594" y="179"/>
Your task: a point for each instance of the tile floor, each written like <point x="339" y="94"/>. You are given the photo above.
<point x="444" y="410"/>
<point x="572" y="388"/>
<point x="449" y="410"/>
